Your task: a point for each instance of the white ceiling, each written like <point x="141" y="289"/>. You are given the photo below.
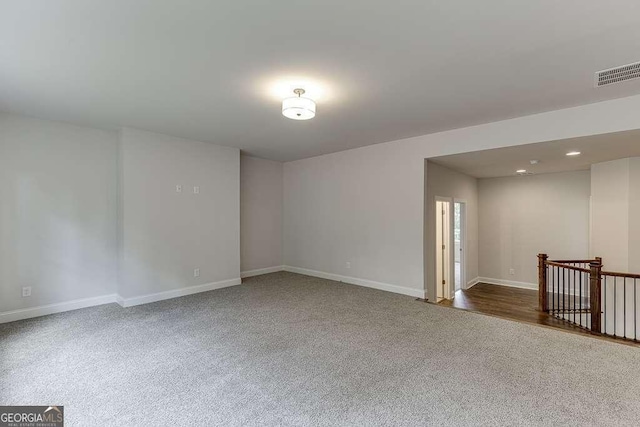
<point x="551" y="155"/>
<point x="380" y="70"/>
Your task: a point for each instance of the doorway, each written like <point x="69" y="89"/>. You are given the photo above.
<point x="459" y="246"/>
<point x="444" y="251"/>
<point x="450" y="247"/>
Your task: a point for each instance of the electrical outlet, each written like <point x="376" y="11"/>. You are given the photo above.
<point x="196" y="190"/>
<point x="512" y="272"/>
<point x="26" y="291"/>
<point x="178" y="188"/>
<point x="196" y="272"/>
<point x="348" y="265"/>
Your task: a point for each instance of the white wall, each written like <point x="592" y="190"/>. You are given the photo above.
<point x="616" y="214"/>
<point x="366" y="205"/>
<point x="522" y="216"/>
<point x="165" y="235"/>
<point x="634" y="215"/>
<point x="57" y="212"/>
<point x="615" y="206"/>
<point x="360" y="206"/>
<point x="260" y="214"/>
<point x="88" y="215"/>
<point x="610" y="213"/>
<point x="444" y="182"/>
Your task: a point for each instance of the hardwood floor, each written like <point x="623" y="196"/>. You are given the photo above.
<point x="511" y="303"/>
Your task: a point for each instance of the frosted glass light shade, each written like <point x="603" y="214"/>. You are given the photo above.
<point x="298" y="108"/>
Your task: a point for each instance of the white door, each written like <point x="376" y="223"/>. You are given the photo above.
<point x="443" y="249"/>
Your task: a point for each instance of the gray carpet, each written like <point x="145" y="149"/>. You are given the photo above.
<point x="285" y="349"/>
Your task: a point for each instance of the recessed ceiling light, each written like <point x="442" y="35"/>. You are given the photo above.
<point x="521" y="171"/>
<point x="573" y="153"/>
<point x="298" y="107"/>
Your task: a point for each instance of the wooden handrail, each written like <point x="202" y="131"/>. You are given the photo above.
<point x="568" y="267"/>
<point x="576" y="261"/>
<point x="562" y="264"/>
<point x="627" y="275"/>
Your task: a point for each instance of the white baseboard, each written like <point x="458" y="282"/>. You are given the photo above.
<point x="119" y="300"/>
<point x="43" y="310"/>
<point x="472" y="283"/>
<point x="260" y="271"/>
<point x="418" y="293"/>
<point x="175" y="293"/>
<point x="510" y="283"/>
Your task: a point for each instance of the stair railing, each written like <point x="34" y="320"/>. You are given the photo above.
<point x="620" y="304"/>
<point x="581" y="293"/>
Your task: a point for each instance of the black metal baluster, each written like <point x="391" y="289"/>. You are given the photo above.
<point x="562" y="281"/>
<point x="568" y="289"/>
<point x="565" y="290"/>
<point x="561" y="307"/>
<point x="553" y="288"/>
<point x="546" y="285"/>
<point x="557" y="293"/>
<point x="560" y="289"/>
<point x="585" y="294"/>
<point x="584" y="298"/>
<point x="615" y="303"/>
<point x="574" y="296"/>
<point x="555" y="280"/>
<point x="550" y="280"/>
<point x="581" y="276"/>
<point x="605" y="304"/>
<point x="624" y="307"/>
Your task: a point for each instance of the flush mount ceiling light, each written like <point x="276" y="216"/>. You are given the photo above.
<point x="573" y="153"/>
<point x="298" y="107"/>
<point x="521" y="171"/>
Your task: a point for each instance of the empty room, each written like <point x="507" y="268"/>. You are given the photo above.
<point x="525" y="223"/>
<point x="319" y="213"/>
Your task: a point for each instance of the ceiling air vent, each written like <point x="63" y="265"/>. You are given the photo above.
<point x="618" y="74"/>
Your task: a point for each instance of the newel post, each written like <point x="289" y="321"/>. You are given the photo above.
<point x="595" y="281"/>
<point x="542" y="282"/>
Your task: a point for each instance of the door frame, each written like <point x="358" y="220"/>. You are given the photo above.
<point x="463" y="242"/>
<point x="451" y="285"/>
